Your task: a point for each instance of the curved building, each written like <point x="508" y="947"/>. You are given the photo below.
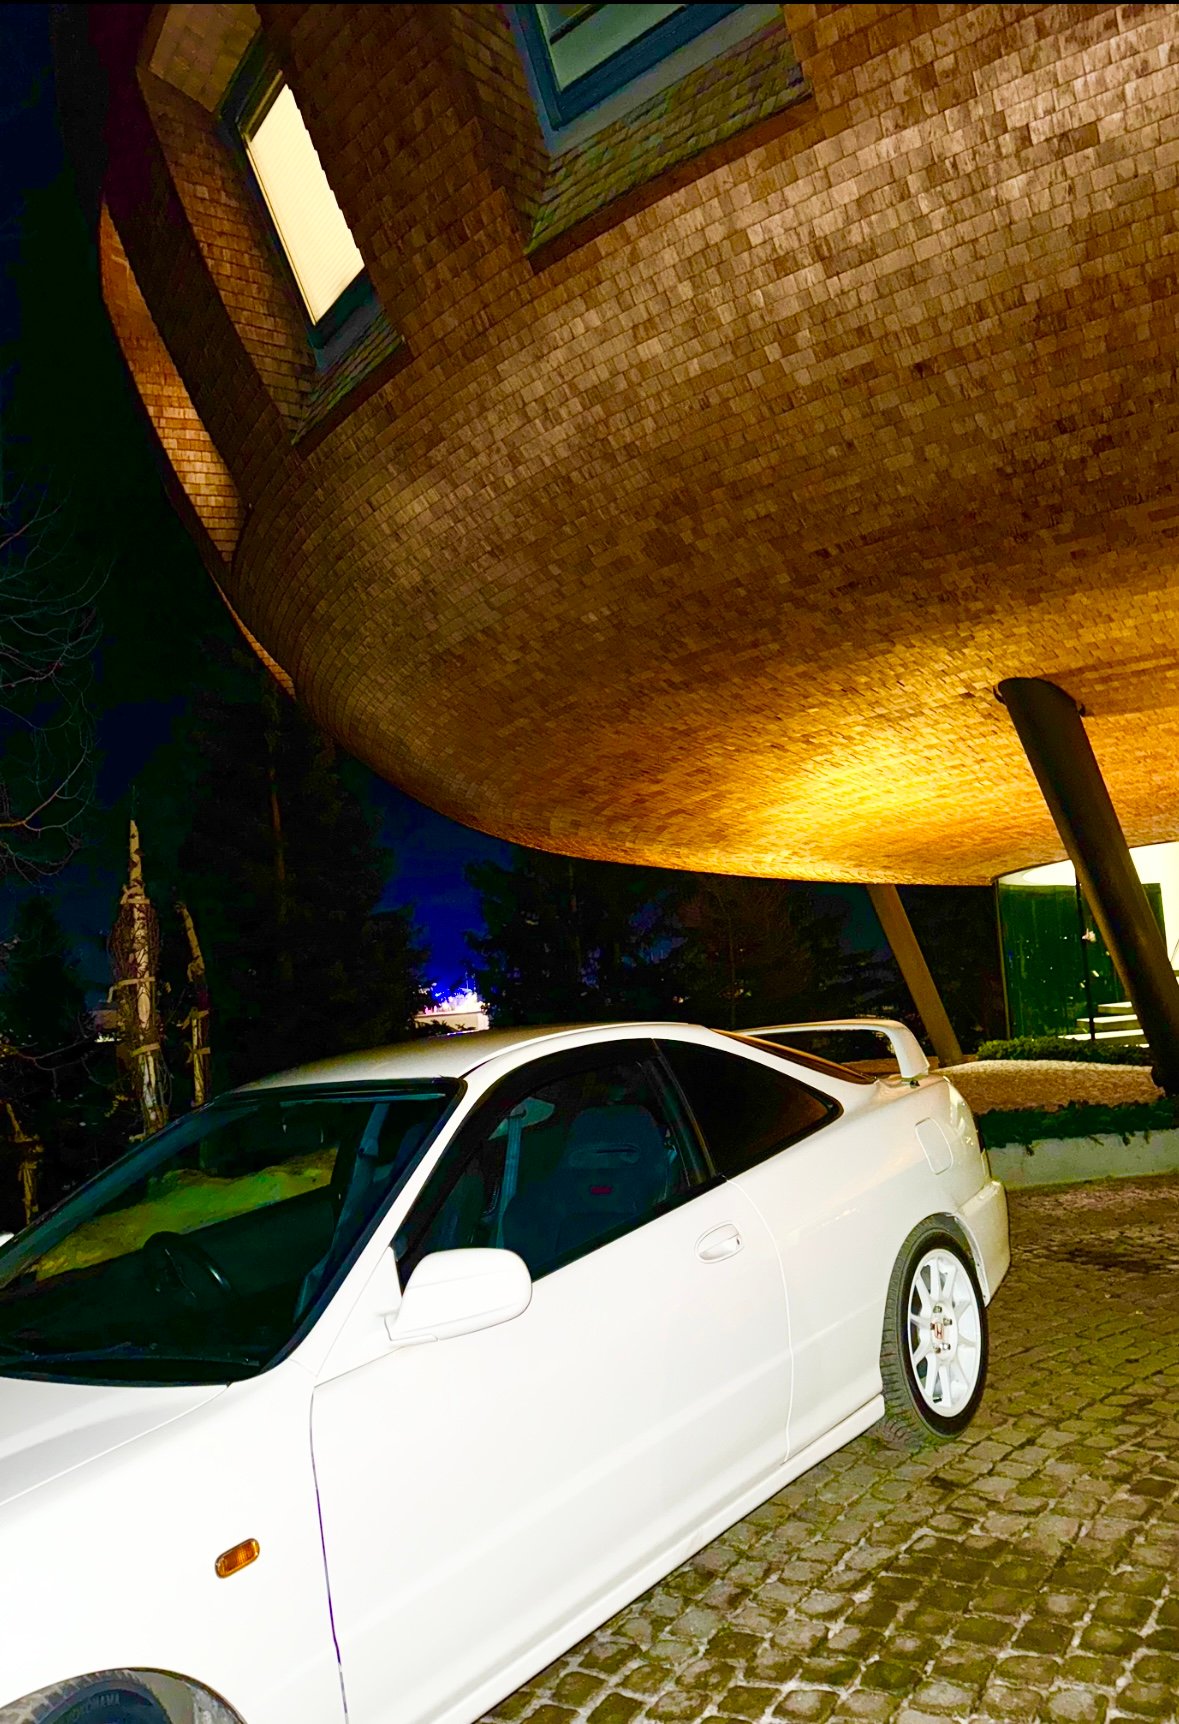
<point x="652" y="432"/>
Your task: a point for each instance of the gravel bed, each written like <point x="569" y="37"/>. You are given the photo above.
<point x="1048" y="1083"/>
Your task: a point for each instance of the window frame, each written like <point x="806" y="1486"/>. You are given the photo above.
<point x="253" y="90"/>
<point x="795" y="1056"/>
<point x="514" y="1087"/>
<point x="563" y="107"/>
<point x="832" y="1103"/>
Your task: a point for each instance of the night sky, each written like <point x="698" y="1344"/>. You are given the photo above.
<point x="430" y="852"/>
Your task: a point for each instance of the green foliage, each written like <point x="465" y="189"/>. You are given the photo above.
<point x="575" y="941"/>
<point x="956" y="929"/>
<point x="760" y="951"/>
<point x="42" y="1001"/>
<point x="569" y="941"/>
<point x="1061" y="1048"/>
<point x="1001" y="1126"/>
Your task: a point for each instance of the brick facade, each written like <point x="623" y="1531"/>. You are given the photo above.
<point x="701" y="533"/>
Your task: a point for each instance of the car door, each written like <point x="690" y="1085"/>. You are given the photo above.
<point x="824" y="1196"/>
<point x="488" y="1498"/>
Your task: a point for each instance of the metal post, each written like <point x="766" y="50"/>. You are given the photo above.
<point x="1048" y="723"/>
<point x="898" y="931"/>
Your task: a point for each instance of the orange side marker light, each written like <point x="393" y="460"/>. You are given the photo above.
<point x="238" y="1556"/>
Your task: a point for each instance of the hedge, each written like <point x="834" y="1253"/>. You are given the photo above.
<point x="1061" y="1048"/>
<point x="1002" y="1126"/>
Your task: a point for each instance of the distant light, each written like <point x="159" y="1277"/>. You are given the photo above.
<point x="465" y="1000"/>
<point x="311" y="224"/>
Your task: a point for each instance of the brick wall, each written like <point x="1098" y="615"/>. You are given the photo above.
<point x="202" y="474"/>
<point x="702" y="536"/>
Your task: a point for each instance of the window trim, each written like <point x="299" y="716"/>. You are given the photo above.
<point x="252" y="92"/>
<point x="513" y="1087"/>
<point x="783" y="1051"/>
<point x="563" y="107"/>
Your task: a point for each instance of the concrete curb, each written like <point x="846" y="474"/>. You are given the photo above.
<point x="1074" y="1160"/>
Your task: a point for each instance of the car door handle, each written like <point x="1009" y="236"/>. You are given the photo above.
<point x="718" y="1243"/>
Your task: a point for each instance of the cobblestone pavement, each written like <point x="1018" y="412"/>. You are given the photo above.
<point x="1028" y="1571"/>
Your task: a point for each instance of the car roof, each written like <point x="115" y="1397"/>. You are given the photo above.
<point x="430" y="1058"/>
<point x="453" y="1056"/>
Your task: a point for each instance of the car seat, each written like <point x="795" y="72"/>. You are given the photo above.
<point x="615" y="1171"/>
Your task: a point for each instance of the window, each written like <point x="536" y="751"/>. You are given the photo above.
<point x="200" y="1255"/>
<point x="745" y="1111"/>
<point x="581" y="58"/>
<point x="313" y="238"/>
<point x="552" y="1169"/>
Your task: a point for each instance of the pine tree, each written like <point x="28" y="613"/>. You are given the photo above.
<point x="282" y="870"/>
<point x="760" y="951"/>
<point x="570" y="941"/>
<point x="42" y="999"/>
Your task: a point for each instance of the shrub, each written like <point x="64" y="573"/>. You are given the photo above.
<point x="1062" y="1048"/>
<point x="1002" y="1126"/>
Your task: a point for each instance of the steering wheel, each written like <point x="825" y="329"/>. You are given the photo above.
<point x="177" y="1265"/>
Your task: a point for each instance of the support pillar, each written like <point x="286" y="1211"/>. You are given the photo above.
<point x="898" y="931"/>
<point x="1048" y="723"/>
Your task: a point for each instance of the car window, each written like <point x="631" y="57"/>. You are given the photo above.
<point x="745" y="1111"/>
<point x="554" y="1171"/>
<point x="201" y="1254"/>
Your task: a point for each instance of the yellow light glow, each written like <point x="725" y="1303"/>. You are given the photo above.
<point x="310" y="223"/>
<point x="241" y="1555"/>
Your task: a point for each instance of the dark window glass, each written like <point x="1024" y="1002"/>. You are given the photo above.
<point x="746" y="1111"/>
<point x="554" y="1172"/>
<point x="203" y="1253"/>
<point x="580" y="55"/>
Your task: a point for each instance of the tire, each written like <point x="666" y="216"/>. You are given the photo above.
<point x="115" y="1697"/>
<point x="934" y="1350"/>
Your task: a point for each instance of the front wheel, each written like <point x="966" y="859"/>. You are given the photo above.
<point x="116" y="1697"/>
<point x="933" y="1354"/>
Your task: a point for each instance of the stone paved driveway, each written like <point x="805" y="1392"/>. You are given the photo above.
<point x="1028" y="1571"/>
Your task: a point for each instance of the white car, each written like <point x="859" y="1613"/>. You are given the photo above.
<point x="365" y="1391"/>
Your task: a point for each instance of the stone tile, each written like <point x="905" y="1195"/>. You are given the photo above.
<point x="811" y="1704"/>
<point x="909" y="1590"/>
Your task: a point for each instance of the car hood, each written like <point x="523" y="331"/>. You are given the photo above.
<point x="47" y="1429"/>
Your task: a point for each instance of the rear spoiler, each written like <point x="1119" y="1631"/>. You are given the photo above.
<point x="909" y="1057"/>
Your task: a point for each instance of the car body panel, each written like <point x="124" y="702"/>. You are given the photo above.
<point x="47" y="1429"/>
<point x="549" y="1455"/>
<point x="143" y="1488"/>
<point x="143" y="1525"/>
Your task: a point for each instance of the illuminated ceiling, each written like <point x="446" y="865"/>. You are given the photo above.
<point x="703" y="539"/>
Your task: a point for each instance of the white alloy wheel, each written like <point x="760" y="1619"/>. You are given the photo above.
<point x="944" y="1331"/>
<point x="933" y="1352"/>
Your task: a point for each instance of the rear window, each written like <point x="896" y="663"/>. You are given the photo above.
<point x="745" y="1111"/>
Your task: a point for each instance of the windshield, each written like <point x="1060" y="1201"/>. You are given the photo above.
<point x="201" y="1255"/>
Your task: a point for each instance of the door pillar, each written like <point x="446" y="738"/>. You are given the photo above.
<point x="898" y="931"/>
<point x="1048" y="724"/>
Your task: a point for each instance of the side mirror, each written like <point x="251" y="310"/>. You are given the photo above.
<point x="459" y="1292"/>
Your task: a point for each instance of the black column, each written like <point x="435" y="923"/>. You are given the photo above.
<point x="1059" y="753"/>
